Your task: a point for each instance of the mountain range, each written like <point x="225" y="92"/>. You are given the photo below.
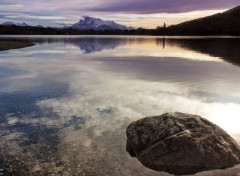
<point x="87" y="23"/>
<point x="226" y="23"/>
<point x="97" y="24"/>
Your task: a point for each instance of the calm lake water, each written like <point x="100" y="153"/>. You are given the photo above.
<point x="65" y="103"/>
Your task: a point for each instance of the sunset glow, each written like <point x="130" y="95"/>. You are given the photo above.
<point x="133" y="13"/>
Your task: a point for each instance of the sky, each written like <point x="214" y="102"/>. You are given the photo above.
<point x="134" y="13"/>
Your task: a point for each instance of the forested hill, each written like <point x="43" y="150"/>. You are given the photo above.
<point x="226" y="23"/>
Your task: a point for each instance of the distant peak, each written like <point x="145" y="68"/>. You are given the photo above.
<point x="88" y="22"/>
<point x="90" y="18"/>
<point x="11" y="23"/>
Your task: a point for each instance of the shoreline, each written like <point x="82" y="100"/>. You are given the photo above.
<point x="8" y="45"/>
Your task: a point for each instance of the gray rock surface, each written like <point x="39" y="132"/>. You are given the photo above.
<point x="181" y="144"/>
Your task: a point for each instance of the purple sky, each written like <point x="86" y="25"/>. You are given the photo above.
<point x="164" y="6"/>
<point x="145" y="13"/>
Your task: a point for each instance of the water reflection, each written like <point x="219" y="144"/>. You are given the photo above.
<point x="222" y="48"/>
<point x="65" y="103"/>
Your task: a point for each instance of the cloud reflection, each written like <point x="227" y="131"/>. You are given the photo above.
<point x="100" y="92"/>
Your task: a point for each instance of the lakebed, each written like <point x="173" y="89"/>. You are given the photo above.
<point x="65" y="102"/>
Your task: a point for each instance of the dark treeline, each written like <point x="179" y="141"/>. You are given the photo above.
<point x="199" y="29"/>
<point x="185" y="29"/>
<point x="30" y="30"/>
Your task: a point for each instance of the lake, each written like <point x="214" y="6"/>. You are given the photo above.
<point x="65" y="102"/>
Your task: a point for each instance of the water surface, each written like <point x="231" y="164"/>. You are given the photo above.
<point x="65" y="103"/>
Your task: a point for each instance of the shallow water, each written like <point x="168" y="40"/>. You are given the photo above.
<point x="65" y="103"/>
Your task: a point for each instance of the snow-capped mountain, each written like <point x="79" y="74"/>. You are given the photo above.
<point x="40" y="26"/>
<point x="86" y="23"/>
<point x="10" y="23"/>
<point x="97" y="24"/>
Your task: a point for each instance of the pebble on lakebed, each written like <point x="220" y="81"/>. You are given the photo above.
<point x="181" y="144"/>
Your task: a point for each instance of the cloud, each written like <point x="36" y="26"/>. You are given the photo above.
<point x="163" y="6"/>
<point x="129" y="6"/>
<point x="170" y="11"/>
<point x="37" y="17"/>
<point x="11" y="7"/>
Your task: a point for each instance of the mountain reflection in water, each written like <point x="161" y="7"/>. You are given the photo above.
<point x="65" y="103"/>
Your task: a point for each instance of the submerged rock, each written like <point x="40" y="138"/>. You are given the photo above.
<point x="181" y="144"/>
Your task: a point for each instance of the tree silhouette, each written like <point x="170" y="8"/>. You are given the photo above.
<point x="164" y="25"/>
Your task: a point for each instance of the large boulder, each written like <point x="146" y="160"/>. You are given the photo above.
<point x="181" y="144"/>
